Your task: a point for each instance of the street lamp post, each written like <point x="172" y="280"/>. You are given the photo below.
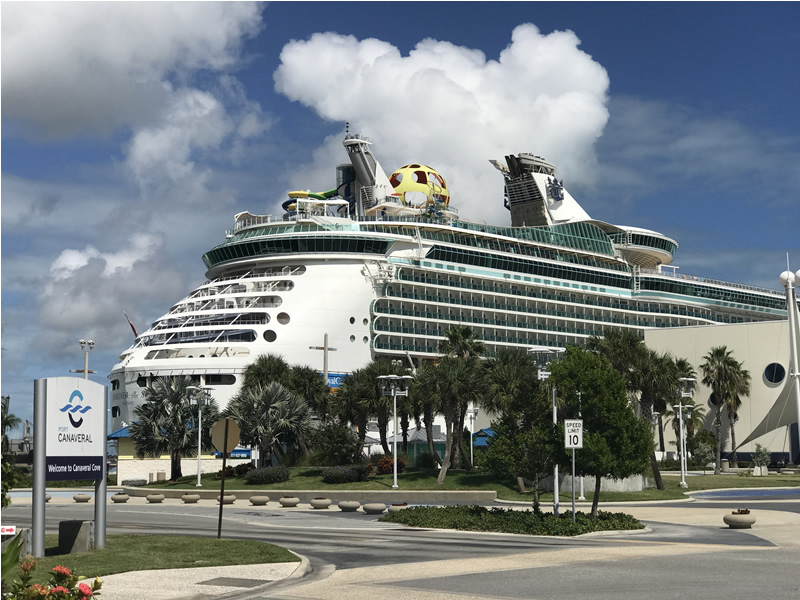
<point x="687" y="386"/>
<point x="473" y="414"/>
<point x="201" y="396"/>
<point x="543" y="357"/>
<point x="580" y="416"/>
<point x="394" y="385"/>
<point x="86" y="346"/>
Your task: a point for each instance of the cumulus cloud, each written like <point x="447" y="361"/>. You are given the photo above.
<point x="73" y="68"/>
<point x="86" y="290"/>
<point x="452" y="108"/>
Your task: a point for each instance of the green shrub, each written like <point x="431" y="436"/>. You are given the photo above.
<point x="335" y="444"/>
<point x="9" y="480"/>
<point x="425" y="460"/>
<point x="267" y="475"/>
<point x="479" y="518"/>
<point x="761" y="456"/>
<point x="670" y="464"/>
<point x="342" y="474"/>
<point x="243" y="469"/>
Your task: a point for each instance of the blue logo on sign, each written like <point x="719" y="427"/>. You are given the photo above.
<point x="75" y="408"/>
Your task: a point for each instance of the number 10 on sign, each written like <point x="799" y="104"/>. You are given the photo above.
<point x="573" y="433"/>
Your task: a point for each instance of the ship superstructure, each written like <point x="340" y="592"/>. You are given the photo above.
<point x="384" y="266"/>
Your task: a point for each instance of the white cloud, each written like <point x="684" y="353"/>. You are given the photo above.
<point x="75" y="68"/>
<point x="449" y="107"/>
<point x="86" y="290"/>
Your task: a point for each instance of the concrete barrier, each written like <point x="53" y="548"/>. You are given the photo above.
<point x="75" y="536"/>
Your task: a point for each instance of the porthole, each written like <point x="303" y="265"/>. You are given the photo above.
<point x="774" y="374"/>
<point x="283" y="318"/>
<point x="366" y="339"/>
<point x="352" y="338"/>
<point x="270" y="335"/>
<point x="352" y="320"/>
<point x="712" y="400"/>
<point x="366" y="321"/>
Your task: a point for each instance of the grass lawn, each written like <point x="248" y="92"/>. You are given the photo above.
<point x="143" y="552"/>
<point x="309" y="478"/>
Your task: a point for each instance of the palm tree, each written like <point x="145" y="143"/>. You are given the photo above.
<point x="451" y="384"/>
<point x="165" y="421"/>
<point x="266" y="369"/>
<point x="657" y="378"/>
<point x="728" y="381"/>
<point x="426" y="404"/>
<point x="307" y="383"/>
<point x="10" y="421"/>
<point x="352" y="403"/>
<point x="733" y="403"/>
<point x="513" y="389"/>
<point x="462" y="341"/>
<point x="268" y="414"/>
<point x="624" y="349"/>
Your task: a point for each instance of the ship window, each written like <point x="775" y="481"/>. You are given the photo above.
<point x="352" y="338"/>
<point x="365" y="339"/>
<point x="352" y="320"/>
<point x="774" y="374"/>
<point x="141" y="381"/>
<point x="115" y="411"/>
<point x="366" y="321"/>
<point x="283" y="318"/>
<point x="220" y="379"/>
<point x="270" y="335"/>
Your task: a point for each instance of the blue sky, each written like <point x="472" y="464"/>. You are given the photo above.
<point x="132" y="133"/>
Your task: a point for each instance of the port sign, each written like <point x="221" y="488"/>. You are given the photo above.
<point x="573" y="433"/>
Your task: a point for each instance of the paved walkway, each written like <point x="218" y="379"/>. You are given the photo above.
<point x="254" y="581"/>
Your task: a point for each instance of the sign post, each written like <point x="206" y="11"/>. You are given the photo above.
<point x="224" y="437"/>
<point x="69" y="431"/>
<point x="573" y="438"/>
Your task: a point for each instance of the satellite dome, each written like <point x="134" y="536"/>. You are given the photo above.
<point x="419" y="184"/>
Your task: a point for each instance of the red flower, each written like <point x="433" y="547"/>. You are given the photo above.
<point x="38" y="589"/>
<point x="62" y="570"/>
<point x="59" y="589"/>
<point x="27" y="565"/>
<point x="85" y="590"/>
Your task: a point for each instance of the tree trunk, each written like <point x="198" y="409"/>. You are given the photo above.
<point x="382" y="425"/>
<point x="718" y="427"/>
<point x="404" y="427"/>
<point x="175" y="470"/>
<point x="596" y="499"/>
<point x="448" y="448"/>
<point x="656" y="471"/>
<point x="462" y="450"/>
<point x="428" y="420"/>
<point x="361" y="425"/>
<point x="734" y="458"/>
<point x="521" y="484"/>
<point x="646" y="412"/>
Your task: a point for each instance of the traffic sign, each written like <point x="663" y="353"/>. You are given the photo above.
<point x="573" y="433"/>
<point x="218" y="435"/>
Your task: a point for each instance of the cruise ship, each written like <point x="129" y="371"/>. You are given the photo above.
<point x="382" y="266"/>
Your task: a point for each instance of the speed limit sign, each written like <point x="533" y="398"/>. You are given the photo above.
<point x="573" y="433"/>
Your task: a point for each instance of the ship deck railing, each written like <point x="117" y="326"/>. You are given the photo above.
<point x="700" y="279"/>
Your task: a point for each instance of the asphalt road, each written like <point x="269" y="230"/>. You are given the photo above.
<point x="671" y="561"/>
